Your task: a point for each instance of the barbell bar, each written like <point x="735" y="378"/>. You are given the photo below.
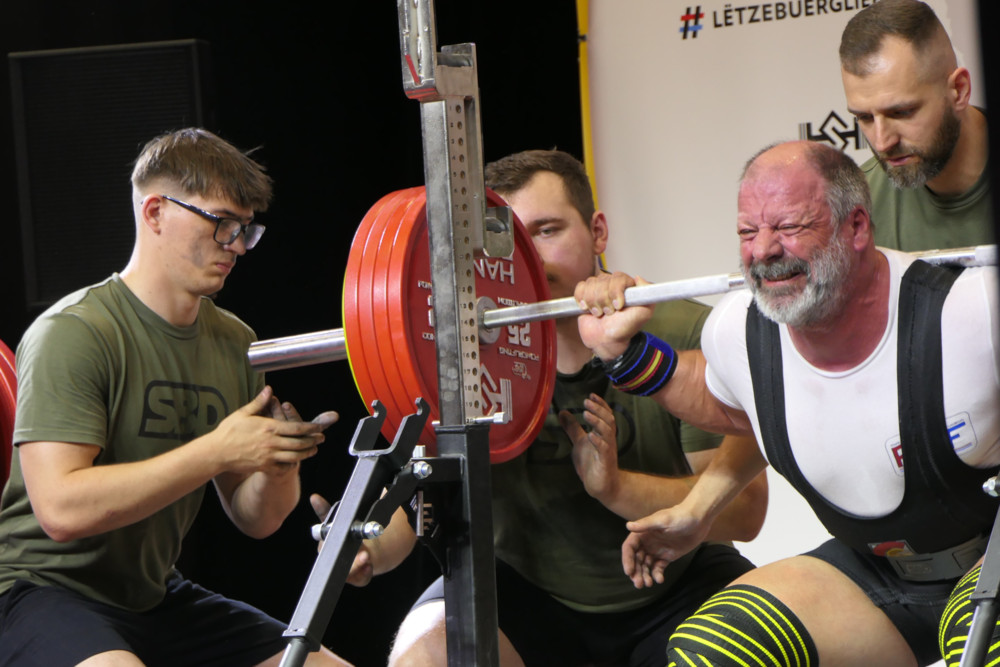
<point x="509" y="354"/>
<point x="329" y="345"/>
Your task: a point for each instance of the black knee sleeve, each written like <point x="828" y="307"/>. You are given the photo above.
<point x="953" y="630"/>
<point x="742" y="625"/>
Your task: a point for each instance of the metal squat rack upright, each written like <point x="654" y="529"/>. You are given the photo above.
<point x="460" y="230"/>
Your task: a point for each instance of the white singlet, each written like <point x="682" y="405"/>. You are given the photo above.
<point x="843" y="426"/>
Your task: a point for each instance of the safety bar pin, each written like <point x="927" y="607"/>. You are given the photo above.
<point x="501" y="417"/>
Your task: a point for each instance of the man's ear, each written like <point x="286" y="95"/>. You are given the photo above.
<point x="151" y="212"/>
<point x="599" y="229"/>
<point x="960" y="89"/>
<point x="860" y="223"/>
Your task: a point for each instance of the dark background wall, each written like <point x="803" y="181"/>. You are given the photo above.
<point x="320" y="91"/>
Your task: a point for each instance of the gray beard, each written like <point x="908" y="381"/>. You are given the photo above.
<point x="822" y="296"/>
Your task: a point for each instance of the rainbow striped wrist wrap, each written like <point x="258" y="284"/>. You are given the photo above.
<point x="644" y="367"/>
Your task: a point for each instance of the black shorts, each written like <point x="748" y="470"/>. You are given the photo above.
<point x="50" y="626"/>
<point x="546" y="632"/>
<point x="914" y="607"/>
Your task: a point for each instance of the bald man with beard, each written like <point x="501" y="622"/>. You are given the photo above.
<point x="928" y="178"/>
<point x="869" y="378"/>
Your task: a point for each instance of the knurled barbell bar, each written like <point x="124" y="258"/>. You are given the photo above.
<point x="388" y="333"/>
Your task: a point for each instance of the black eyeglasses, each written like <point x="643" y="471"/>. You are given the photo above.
<point x="226" y="229"/>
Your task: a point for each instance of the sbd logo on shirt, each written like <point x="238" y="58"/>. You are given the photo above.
<point x="180" y="411"/>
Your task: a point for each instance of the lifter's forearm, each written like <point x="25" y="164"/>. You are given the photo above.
<point x="737" y="515"/>
<point x="638" y="494"/>
<point x="731" y="479"/>
<point x="742" y="517"/>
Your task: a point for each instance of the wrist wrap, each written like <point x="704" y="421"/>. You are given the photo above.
<point x="644" y="367"/>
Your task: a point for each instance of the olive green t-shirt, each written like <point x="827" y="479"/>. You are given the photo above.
<point x="101" y="368"/>
<point x="546" y="525"/>
<point x="911" y="219"/>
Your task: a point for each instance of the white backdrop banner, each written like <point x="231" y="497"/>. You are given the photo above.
<point x="682" y="94"/>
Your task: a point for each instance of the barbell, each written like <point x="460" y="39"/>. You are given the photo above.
<point x="388" y="328"/>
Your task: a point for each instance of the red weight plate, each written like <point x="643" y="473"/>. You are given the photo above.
<point x="375" y="320"/>
<point x="364" y="321"/>
<point x="8" y="397"/>
<point x="400" y="386"/>
<point x="411" y="370"/>
<point x="349" y="305"/>
<point x="525" y="355"/>
<point x="357" y="305"/>
<point x="517" y="373"/>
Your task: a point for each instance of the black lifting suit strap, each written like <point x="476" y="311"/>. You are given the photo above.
<point x="943" y="503"/>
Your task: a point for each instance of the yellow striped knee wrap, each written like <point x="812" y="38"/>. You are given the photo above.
<point x="742" y="626"/>
<point x="953" y="631"/>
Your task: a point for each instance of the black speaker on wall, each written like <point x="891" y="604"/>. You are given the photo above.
<point x="80" y="118"/>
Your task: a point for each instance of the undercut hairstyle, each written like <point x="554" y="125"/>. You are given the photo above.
<point x="202" y="163"/>
<point x="510" y="174"/>
<point x="911" y="20"/>
<point x="845" y="184"/>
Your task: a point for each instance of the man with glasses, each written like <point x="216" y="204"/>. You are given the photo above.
<point x="227" y="230"/>
<point x="133" y="394"/>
